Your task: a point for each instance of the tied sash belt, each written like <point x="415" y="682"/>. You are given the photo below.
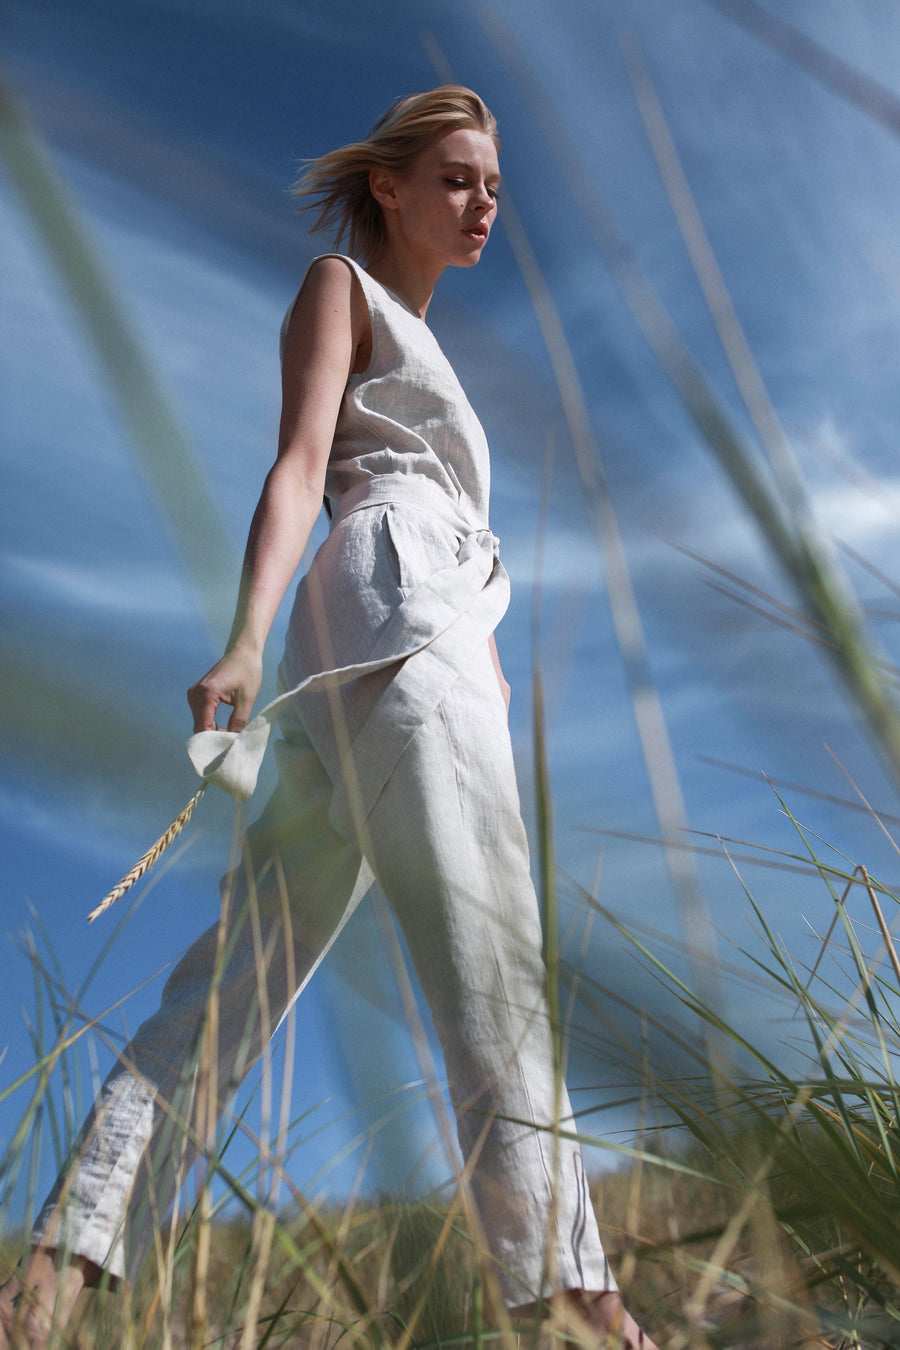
<point x="428" y="636"/>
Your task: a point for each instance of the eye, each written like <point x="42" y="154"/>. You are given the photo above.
<point x="456" y="182"/>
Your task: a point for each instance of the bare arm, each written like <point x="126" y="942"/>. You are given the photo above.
<point x="328" y="325"/>
<point x="501" y="678"/>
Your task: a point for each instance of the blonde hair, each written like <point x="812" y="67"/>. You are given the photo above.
<point x="339" y="181"/>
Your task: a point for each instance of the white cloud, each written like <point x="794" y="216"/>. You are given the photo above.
<point x="864" y="515"/>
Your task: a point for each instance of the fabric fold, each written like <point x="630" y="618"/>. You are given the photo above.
<point x="442" y="617"/>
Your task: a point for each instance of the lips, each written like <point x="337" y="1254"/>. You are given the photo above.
<point x="477" y="232"/>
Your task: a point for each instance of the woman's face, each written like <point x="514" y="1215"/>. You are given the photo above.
<point x="443" y="207"/>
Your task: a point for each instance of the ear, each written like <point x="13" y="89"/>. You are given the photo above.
<point x="383" y="187"/>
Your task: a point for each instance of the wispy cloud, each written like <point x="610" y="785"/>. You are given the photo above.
<point x="131" y="591"/>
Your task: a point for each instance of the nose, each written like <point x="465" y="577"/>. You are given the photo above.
<point x="484" y="198"/>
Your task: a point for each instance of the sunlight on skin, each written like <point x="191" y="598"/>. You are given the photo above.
<point x="27" y="1318"/>
<point x="581" y="1315"/>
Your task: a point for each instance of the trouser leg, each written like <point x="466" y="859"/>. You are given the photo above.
<point x="449" y="849"/>
<point x="448" y="845"/>
<point x="142" y="1133"/>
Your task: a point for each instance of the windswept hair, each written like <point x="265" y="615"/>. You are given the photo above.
<point x="339" y="181"/>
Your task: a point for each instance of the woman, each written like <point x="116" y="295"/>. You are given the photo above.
<point x="394" y="758"/>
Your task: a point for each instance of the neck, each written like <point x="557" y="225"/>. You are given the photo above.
<point x="412" y="279"/>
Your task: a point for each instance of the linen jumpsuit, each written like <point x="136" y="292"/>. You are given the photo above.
<point x="394" y="763"/>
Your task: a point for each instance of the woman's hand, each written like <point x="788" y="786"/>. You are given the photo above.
<point x="234" y="680"/>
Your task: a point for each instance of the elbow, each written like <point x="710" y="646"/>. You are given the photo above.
<point x="300" y="479"/>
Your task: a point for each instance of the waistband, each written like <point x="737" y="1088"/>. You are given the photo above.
<point x="406" y="490"/>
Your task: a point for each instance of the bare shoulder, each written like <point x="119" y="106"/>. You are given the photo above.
<point x="330" y="298"/>
<point x="331" y="273"/>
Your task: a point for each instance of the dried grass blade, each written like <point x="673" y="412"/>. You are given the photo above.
<point x="885" y="931"/>
<point x="804" y="550"/>
<point x="801" y="787"/>
<point x="831" y="927"/>
<point x="712" y="283"/>
<point x="153" y="854"/>
<point x="656" y="746"/>
<point x="861" y="91"/>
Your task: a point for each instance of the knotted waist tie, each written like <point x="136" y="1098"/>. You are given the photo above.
<point x="469" y="597"/>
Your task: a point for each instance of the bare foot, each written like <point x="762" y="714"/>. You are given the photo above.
<point x="608" y="1314"/>
<point x="591" y="1319"/>
<point x="35" y="1300"/>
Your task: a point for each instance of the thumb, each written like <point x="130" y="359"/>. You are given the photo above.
<point x="240" y="715"/>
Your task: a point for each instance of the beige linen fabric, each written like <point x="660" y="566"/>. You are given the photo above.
<point x="394" y="762"/>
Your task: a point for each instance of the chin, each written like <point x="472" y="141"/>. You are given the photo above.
<point x="470" y="259"/>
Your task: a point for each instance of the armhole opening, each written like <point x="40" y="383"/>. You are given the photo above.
<point x="355" y="270"/>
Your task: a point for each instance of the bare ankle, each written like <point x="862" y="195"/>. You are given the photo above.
<point x="599" y="1311"/>
<point x="42" y="1290"/>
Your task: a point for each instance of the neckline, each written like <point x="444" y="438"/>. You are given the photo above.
<point x="394" y="296"/>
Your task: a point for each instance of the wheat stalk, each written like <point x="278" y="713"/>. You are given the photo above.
<point x="144" y="864"/>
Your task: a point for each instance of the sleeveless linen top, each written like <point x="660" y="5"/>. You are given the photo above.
<point x="407" y="582"/>
<point x="407" y="414"/>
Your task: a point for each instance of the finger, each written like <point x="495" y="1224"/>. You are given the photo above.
<point x="203" y="704"/>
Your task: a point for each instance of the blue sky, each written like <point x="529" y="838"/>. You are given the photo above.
<point x="176" y="128"/>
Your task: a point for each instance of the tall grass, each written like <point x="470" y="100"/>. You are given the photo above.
<point x="759" y="1208"/>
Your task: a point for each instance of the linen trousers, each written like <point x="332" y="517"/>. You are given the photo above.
<point x="446" y="842"/>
